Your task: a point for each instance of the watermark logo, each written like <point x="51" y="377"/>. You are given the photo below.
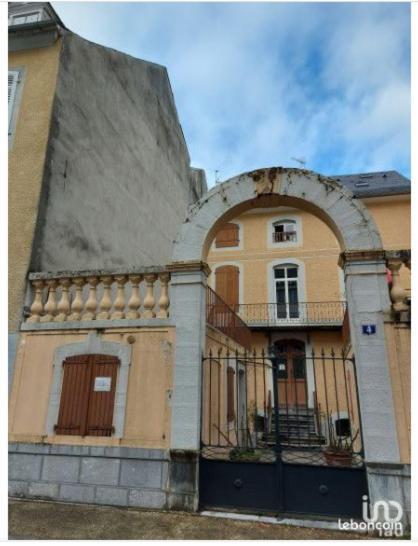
<point x="385" y="519"/>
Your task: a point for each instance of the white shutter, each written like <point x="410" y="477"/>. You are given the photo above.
<point x="11" y="94"/>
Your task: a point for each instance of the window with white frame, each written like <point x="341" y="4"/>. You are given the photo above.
<point x="286" y="284"/>
<point x="284" y="231"/>
<point x="13" y="80"/>
<point x="25" y="18"/>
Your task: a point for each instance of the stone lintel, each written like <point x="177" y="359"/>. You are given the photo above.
<point x="403" y="255"/>
<point x="189" y="266"/>
<point x="350" y="256"/>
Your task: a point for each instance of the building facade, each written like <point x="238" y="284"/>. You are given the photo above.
<point x="164" y="338"/>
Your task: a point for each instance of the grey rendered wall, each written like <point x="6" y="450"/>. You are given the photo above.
<point x="117" y="179"/>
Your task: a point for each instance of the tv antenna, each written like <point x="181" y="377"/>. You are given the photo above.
<point x="216" y="176"/>
<point x="300" y="160"/>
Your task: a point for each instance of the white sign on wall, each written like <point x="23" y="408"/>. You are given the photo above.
<point x="102" y="384"/>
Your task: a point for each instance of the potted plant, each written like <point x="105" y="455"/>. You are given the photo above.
<point x="340" y="449"/>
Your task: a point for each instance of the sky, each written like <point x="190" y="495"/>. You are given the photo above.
<point x="258" y="84"/>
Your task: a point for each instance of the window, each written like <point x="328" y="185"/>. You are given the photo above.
<point x="88" y="395"/>
<point x="227" y="236"/>
<point x="287" y="291"/>
<point x="284" y="231"/>
<point x="13" y="80"/>
<point x="25" y="18"/>
<point x="227" y="285"/>
<point x="230" y="411"/>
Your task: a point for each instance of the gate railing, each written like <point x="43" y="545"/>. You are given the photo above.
<point x="302" y="408"/>
<point x="222" y="317"/>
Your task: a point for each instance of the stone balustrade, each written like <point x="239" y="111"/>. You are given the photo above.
<point x="399" y="295"/>
<point x="99" y="295"/>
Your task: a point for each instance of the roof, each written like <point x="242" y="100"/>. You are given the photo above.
<point x="375" y="184"/>
<point x="50" y="15"/>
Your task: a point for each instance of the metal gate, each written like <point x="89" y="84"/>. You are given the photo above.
<point x="281" y="433"/>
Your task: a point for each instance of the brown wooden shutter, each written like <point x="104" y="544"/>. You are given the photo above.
<point x="74" y="396"/>
<point x="228" y="235"/>
<point x="230" y="411"/>
<point x="101" y="403"/>
<point x="227" y="285"/>
<point x="84" y="410"/>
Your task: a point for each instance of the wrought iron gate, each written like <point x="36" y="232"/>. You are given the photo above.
<point x="281" y="434"/>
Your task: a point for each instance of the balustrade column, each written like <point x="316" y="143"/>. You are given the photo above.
<point x="77" y="306"/>
<point x="134" y="302"/>
<point x="51" y="304"/>
<point x="106" y="301"/>
<point x="119" y="303"/>
<point x="37" y="305"/>
<point x="149" y="301"/>
<point x="164" y="300"/>
<point x="397" y="291"/>
<point x="63" y="306"/>
<point x="91" y="303"/>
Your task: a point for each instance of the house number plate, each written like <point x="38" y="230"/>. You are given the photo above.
<point x="102" y="384"/>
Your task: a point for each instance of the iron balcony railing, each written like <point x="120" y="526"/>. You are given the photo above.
<point x="284" y="236"/>
<point x="327" y="313"/>
<point x="223" y="318"/>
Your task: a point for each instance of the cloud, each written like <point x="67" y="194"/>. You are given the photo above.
<point x="257" y="84"/>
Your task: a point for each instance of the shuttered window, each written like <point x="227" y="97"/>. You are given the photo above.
<point x="227" y="285"/>
<point x="230" y="411"/>
<point x="13" y="79"/>
<point x="88" y="395"/>
<point x="227" y="236"/>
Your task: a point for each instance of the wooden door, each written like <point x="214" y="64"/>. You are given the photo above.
<point x="227" y="285"/>
<point x="292" y="374"/>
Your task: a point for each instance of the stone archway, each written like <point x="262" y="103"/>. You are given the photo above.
<point x="324" y="197"/>
<point x="362" y="259"/>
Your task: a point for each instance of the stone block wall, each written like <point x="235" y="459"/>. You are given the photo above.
<point x="120" y="476"/>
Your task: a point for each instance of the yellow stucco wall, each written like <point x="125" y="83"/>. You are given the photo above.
<point x="317" y="250"/>
<point x="26" y="160"/>
<point x="398" y="339"/>
<point x="148" y="413"/>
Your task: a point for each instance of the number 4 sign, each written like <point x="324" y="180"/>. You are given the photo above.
<point x="369" y="329"/>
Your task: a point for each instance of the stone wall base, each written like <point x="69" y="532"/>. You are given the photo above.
<point x="119" y="476"/>
<point x="391" y="482"/>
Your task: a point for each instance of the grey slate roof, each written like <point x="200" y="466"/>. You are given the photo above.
<point x="375" y="184"/>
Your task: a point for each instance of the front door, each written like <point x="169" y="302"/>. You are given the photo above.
<point x="292" y="374"/>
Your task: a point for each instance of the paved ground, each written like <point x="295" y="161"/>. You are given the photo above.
<point x="49" y="520"/>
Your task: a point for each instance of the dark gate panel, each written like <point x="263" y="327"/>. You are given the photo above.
<point x="238" y="485"/>
<point x="324" y="490"/>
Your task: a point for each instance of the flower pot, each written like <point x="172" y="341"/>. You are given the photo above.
<point x="338" y="457"/>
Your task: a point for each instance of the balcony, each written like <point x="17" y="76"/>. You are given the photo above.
<point x="327" y="314"/>
<point x="284" y="237"/>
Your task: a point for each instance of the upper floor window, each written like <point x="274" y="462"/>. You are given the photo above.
<point x="25" y="18"/>
<point x="13" y="80"/>
<point x="227" y="236"/>
<point x="284" y="231"/>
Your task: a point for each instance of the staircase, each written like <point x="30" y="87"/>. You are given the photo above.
<point x="296" y="428"/>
